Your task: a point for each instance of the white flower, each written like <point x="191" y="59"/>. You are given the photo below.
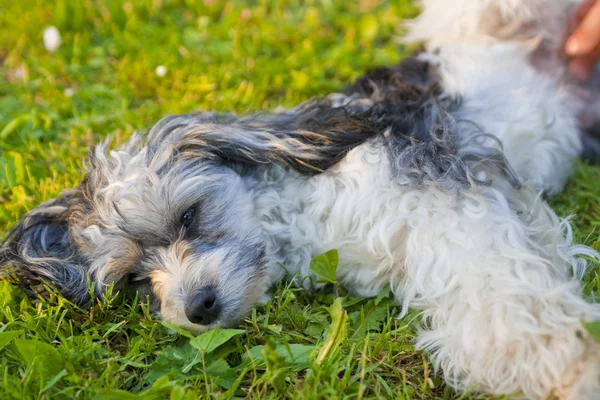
<point x="51" y="38"/>
<point x="19" y="73"/>
<point x="161" y="71"/>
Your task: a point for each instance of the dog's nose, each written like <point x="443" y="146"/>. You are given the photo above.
<point x="203" y="306"/>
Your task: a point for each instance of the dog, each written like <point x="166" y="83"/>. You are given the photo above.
<point x="427" y="177"/>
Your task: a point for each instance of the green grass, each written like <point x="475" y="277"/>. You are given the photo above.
<point x="225" y="55"/>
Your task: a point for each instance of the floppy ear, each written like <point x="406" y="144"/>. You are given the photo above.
<point x="309" y="139"/>
<point x="40" y="250"/>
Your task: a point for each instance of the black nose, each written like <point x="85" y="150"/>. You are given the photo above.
<point x="203" y="306"/>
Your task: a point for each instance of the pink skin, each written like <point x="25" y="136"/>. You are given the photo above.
<point x="583" y="43"/>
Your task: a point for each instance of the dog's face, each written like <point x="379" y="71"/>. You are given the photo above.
<point x="157" y="217"/>
<point x="185" y="231"/>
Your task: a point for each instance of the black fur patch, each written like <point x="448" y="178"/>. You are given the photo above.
<point x="421" y="128"/>
<point x="309" y="140"/>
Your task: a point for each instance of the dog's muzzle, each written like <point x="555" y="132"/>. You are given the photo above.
<point x="203" y="306"/>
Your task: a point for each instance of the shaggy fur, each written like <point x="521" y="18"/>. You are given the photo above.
<point x="425" y="176"/>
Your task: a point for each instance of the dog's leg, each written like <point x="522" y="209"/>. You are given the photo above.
<point x="492" y="276"/>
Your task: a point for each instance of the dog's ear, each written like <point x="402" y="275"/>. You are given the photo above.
<point x="39" y="250"/>
<point x="309" y="139"/>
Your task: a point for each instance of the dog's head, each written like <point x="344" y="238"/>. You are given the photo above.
<point x="173" y="215"/>
<point x="155" y="216"/>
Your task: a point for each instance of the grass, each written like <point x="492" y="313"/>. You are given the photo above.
<point x="225" y="55"/>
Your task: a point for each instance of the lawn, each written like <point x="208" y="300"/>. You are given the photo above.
<point x="121" y="67"/>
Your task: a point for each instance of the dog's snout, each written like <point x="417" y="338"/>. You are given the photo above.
<point x="203" y="306"/>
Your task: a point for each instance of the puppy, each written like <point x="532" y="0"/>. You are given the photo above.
<point x="426" y="177"/>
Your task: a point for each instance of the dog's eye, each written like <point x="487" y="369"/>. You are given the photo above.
<point x="188" y="216"/>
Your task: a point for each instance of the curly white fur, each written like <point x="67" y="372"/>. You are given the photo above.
<point x="491" y="270"/>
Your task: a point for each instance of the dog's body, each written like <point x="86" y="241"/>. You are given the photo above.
<point x="425" y="177"/>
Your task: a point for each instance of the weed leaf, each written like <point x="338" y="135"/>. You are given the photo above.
<point x="325" y="265"/>
<point x="337" y="331"/>
<point x="177" y="329"/>
<point x="219" y="368"/>
<point x="7" y="337"/>
<point x="294" y="355"/>
<point x="43" y="356"/>
<point x="209" y="341"/>
<point x="171" y="358"/>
